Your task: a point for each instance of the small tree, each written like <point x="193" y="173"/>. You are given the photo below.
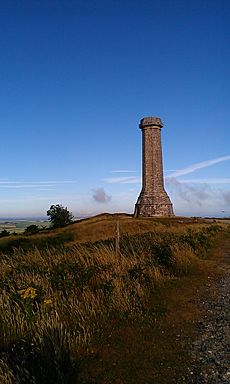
<point x="59" y="216"/>
<point x="31" y="229"/>
<point x="4" y="233"/>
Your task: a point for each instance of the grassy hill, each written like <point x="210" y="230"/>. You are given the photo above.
<point x="72" y="305"/>
<point x="97" y="228"/>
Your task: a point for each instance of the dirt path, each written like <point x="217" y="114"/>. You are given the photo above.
<point x="188" y="341"/>
<point x="211" y="350"/>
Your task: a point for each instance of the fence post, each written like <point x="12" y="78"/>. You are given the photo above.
<point x="117" y="238"/>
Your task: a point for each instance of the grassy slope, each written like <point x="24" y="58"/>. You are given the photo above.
<point x="148" y="346"/>
<point x="102" y="227"/>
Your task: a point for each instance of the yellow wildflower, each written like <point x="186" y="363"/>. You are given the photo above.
<point x="47" y="301"/>
<point x="28" y="293"/>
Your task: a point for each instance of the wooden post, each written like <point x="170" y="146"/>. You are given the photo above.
<point x="117" y="238"/>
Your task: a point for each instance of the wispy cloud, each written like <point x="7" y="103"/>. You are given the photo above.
<point x="187" y="192"/>
<point x="123" y="171"/>
<point x="123" y="180"/>
<point x="202" y="164"/>
<point x="199" y="195"/>
<point x="33" y="184"/>
<point x="220" y="180"/>
<point x="174" y="174"/>
<point x="21" y="186"/>
<point x="38" y="182"/>
<point x="137" y="180"/>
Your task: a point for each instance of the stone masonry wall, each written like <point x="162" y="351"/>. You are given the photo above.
<point x="153" y="199"/>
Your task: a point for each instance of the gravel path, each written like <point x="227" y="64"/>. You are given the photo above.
<point x="211" y="352"/>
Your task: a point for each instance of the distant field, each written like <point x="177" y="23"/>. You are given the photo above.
<point x="19" y="226"/>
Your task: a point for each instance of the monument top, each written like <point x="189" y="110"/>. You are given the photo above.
<point x="148" y="121"/>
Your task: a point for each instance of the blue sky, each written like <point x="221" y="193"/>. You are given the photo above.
<point x="75" y="79"/>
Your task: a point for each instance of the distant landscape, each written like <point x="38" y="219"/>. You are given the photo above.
<point x="19" y="225"/>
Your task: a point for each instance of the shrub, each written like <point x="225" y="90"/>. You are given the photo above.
<point x="31" y="229"/>
<point x="4" y="233"/>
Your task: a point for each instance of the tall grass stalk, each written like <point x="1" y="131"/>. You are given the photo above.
<point x="56" y="301"/>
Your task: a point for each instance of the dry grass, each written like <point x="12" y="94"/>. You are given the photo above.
<point x="59" y="301"/>
<point x="101" y="227"/>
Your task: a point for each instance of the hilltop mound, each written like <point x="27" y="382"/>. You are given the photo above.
<point x="97" y="228"/>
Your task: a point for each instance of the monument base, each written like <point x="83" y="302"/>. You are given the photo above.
<point x="155" y="204"/>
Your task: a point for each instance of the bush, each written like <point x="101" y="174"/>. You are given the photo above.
<point x="4" y="233"/>
<point x="59" y="216"/>
<point x="31" y="229"/>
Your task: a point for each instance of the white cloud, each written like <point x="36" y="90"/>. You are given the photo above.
<point x="123" y="180"/>
<point x="38" y="182"/>
<point x="175" y="173"/>
<point x="33" y="184"/>
<point x="137" y="180"/>
<point x="220" y="180"/>
<point x="18" y="186"/>
<point x="203" y="164"/>
<point x="201" y="195"/>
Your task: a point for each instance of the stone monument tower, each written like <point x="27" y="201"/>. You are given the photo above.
<point x="153" y="200"/>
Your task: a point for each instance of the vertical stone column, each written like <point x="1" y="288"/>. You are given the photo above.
<point x="153" y="199"/>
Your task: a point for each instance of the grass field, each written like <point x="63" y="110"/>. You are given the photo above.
<point x="75" y="309"/>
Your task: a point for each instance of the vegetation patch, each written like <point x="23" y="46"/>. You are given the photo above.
<point x="64" y="306"/>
